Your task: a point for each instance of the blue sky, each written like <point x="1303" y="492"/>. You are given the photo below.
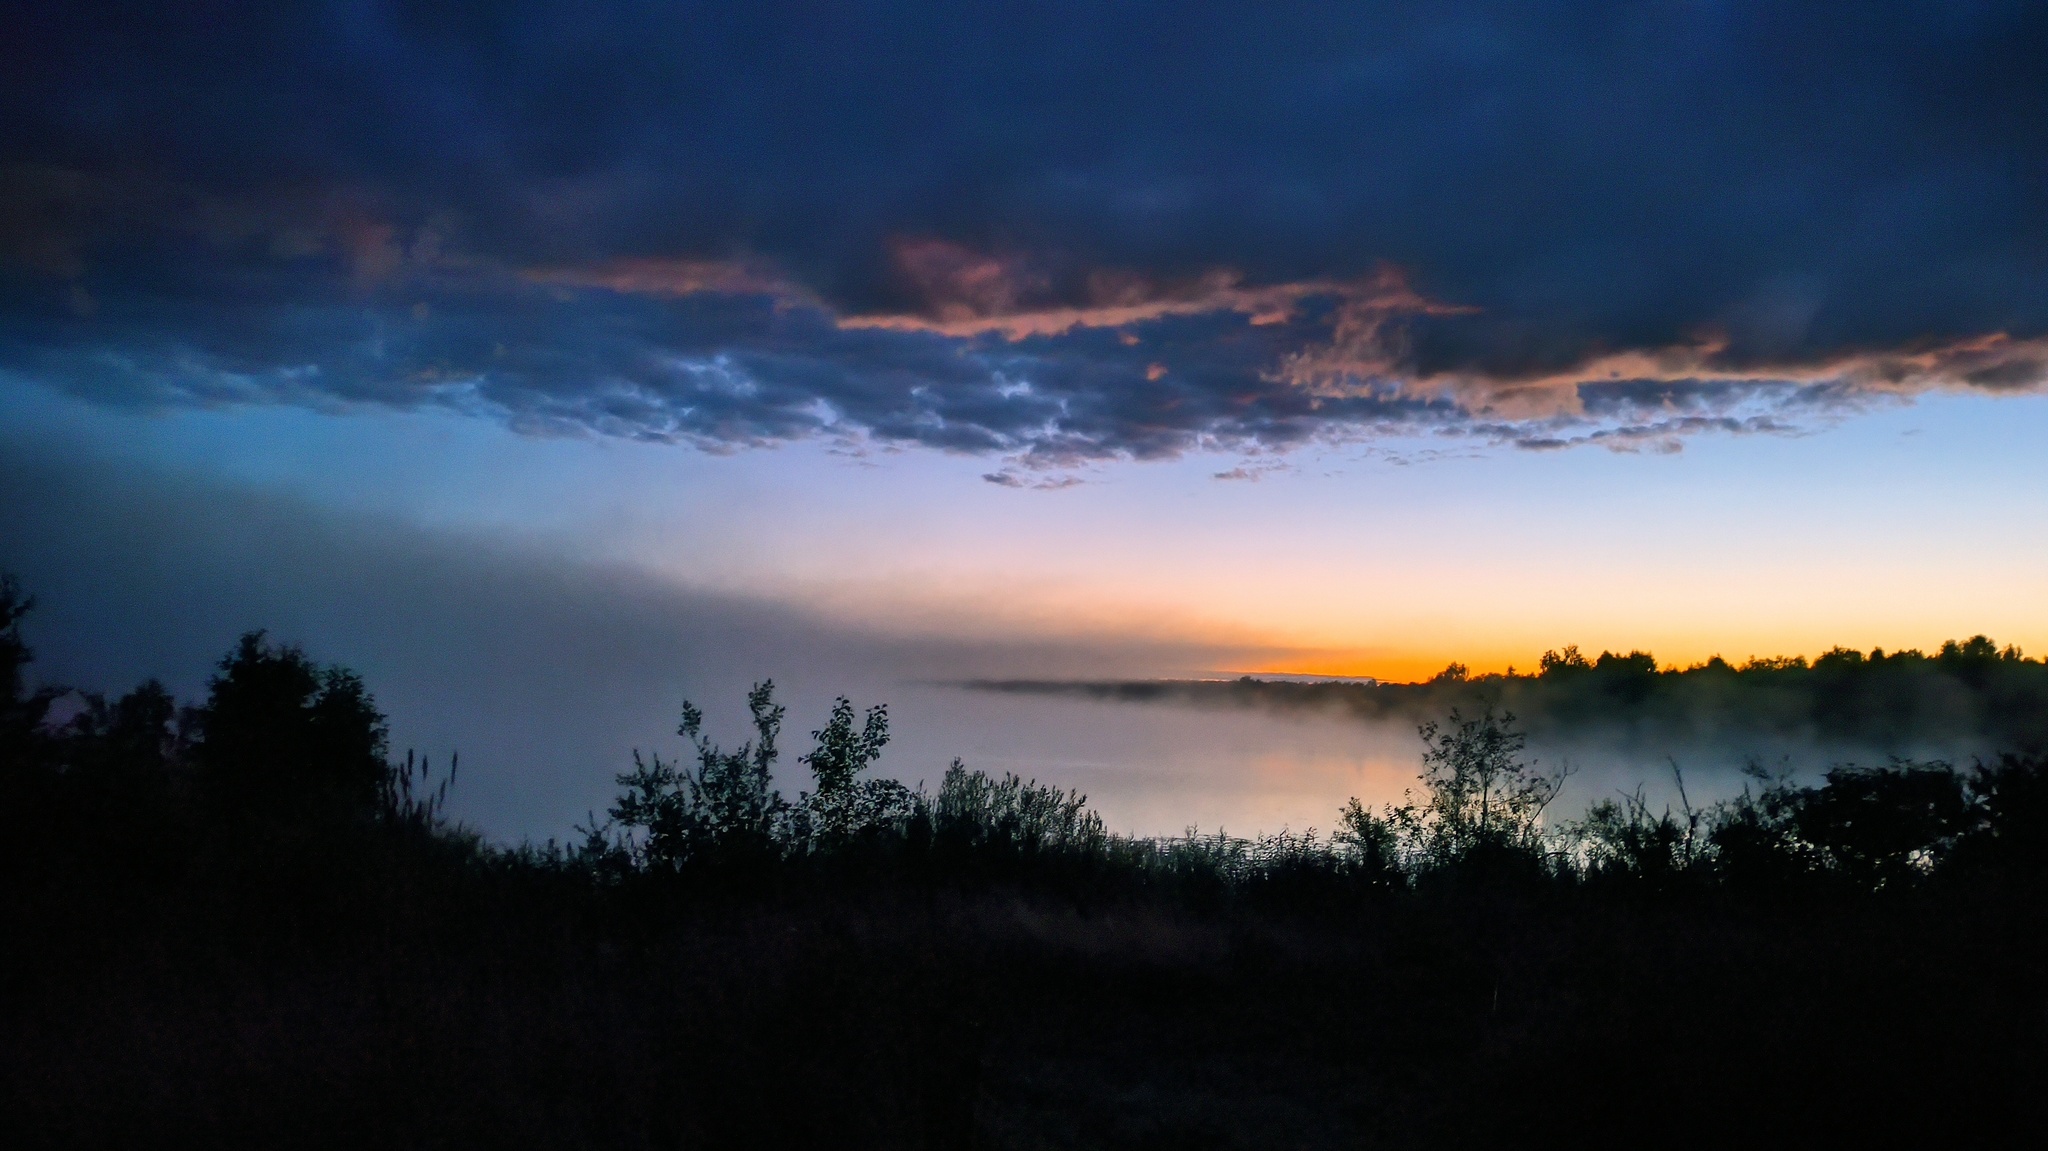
<point x="1900" y="527"/>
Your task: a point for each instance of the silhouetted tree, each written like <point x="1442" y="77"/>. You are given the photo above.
<point x="285" y="739"/>
<point x="842" y="752"/>
<point x="1481" y="797"/>
<point x="22" y="709"/>
<point x="1561" y="663"/>
<point x="845" y="808"/>
<point x="132" y="739"/>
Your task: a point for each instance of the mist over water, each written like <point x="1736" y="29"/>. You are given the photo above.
<point x="1160" y="767"/>
<point x="546" y="674"/>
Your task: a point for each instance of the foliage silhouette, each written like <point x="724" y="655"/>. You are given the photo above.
<point x="725" y="811"/>
<point x="1624" y="841"/>
<point x="845" y="809"/>
<point x="246" y="923"/>
<point x="283" y="741"/>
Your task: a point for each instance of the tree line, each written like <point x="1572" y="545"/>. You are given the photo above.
<point x="1969" y="692"/>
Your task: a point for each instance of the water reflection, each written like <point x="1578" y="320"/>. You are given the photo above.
<point x="1157" y="769"/>
<point x="1160" y="767"/>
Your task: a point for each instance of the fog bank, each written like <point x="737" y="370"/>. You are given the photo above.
<point x="542" y="670"/>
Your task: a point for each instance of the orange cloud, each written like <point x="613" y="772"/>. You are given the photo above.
<point x="1365" y="356"/>
<point x="963" y="292"/>
<point x="966" y="293"/>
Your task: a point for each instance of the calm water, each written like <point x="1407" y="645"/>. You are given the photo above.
<point x="1158" y="768"/>
<point x="1155" y="768"/>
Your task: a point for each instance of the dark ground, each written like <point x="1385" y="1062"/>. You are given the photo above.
<point x="480" y="1010"/>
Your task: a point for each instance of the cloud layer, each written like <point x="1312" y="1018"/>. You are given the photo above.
<point x="1055" y="232"/>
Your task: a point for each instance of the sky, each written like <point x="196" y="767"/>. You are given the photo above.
<point x="651" y="348"/>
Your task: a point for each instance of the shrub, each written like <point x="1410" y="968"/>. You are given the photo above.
<point x="725" y="811"/>
<point x="1624" y="840"/>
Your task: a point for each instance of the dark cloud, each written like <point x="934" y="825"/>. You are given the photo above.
<point x="1058" y="232"/>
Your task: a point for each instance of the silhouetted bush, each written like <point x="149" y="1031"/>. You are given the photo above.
<point x="724" y="812"/>
<point x="247" y="923"/>
<point x="1624" y="841"/>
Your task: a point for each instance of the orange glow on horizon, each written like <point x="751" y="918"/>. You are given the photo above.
<point x="1413" y="667"/>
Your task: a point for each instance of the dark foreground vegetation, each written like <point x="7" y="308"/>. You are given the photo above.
<point x="243" y="924"/>
<point x="1968" y="692"/>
